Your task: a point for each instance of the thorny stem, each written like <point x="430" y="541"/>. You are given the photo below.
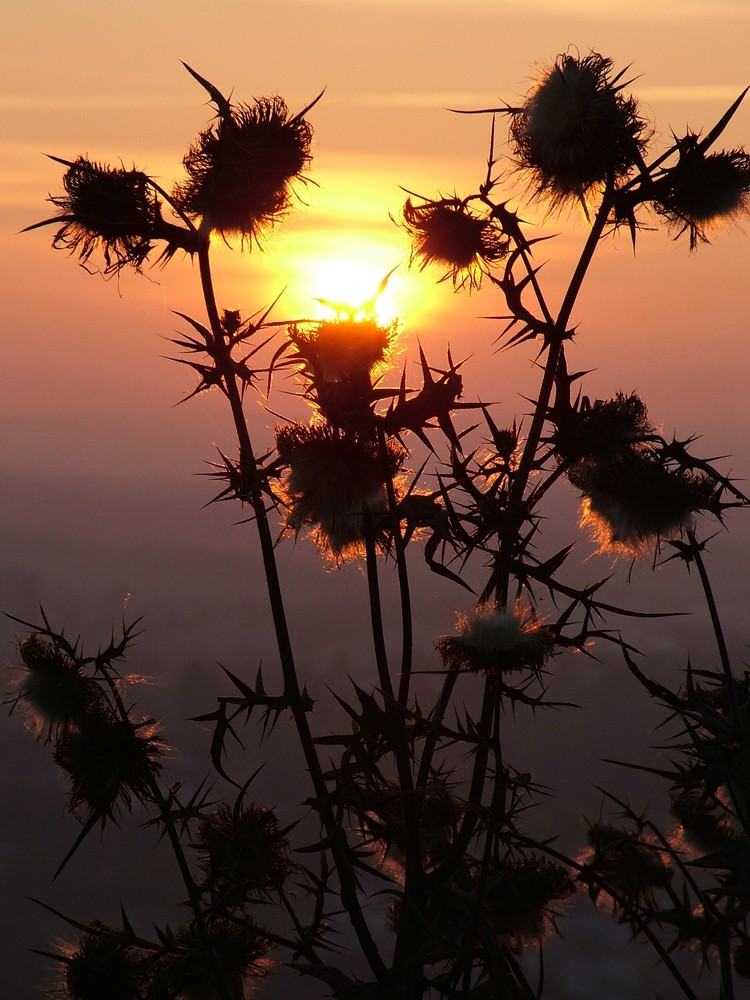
<point x="376" y="612"/>
<point x="248" y="464"/>
<point x="695" y="551"/>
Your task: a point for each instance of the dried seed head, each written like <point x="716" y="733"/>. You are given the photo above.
<point x="448" y="235"/>
<point x="109" y="210"/>
<point x="491" y="638"/>
<point x="703" y="190"/>
<point x="576" y="129"/>
<point x="335" y="485"/>
<point x="243" y="850"/>
<point x="241" y="169"/>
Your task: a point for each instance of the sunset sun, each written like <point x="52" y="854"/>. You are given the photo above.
<point x="349" y="288"/>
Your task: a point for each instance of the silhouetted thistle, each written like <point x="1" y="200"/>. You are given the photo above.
<point x="339" y="349"/>
<point x="602" y="430"/>
<point x="491" y="638"/>
<point x="241" y="168"/>
<point x="636" y="500"/>
<point x="576" y="129"/>
<point x="447" y="234"/>
<point x="106" y="209"/>
<point x="703" y="189"/>
<point x="100" y="966"/>
<point x="52" y="689"/>
<point x="625" y="863"/>
<point x="335" y="484"/>
<point x="244" y="851"/>
<point x="215" y="962"/>
<point x="519" y="899"/>
<point x="109" y="761"/>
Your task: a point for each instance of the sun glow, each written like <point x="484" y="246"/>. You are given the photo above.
<point x="348" y="288"/>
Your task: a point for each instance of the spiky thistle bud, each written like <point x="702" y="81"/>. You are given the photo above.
<point x="244" y="851"/>
<point x="110" y="762"/>
<point x="625" y="864"/>
<point x="335" y="484"/>
<point x="101" y="965"/>
<point x="703" y="190"/>
<point x="601" y="431"/>
<point x="491" y="638"/>
<point x="576" y="129"/>
<point x="241" y="168"/>
<point x="106" y="209"/>
<point x="215" y="961"/>
<point x="448" y="235"/>
<point x="52" y="688"/>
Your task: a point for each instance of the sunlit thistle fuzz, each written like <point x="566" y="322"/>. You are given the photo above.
<point x="52" y="688"/>
<point x="218" y="961"/>
<point x="109" y="761"/>
<point x="241" y="169"/>
<point x="101" y="966"/>
<point x="340" y="349"/>
<point x="447" y="234"/>
<point x="703" y="190"/>
<point x="576" y="130"/>
<point x="335" y="485"/>
<point x="493" y="639"/>
<point x="635" y="501"/>
<point x="519" y="900"/>
<point x="243" y="850"/>
<point x="106" y="209"/>
<point x="625" y="865"/>
<point x="601" y="431"/>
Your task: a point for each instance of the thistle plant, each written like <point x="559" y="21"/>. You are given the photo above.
<point x="411" y="846"/>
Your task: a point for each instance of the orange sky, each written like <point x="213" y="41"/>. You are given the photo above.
<point x="84" y="378"/>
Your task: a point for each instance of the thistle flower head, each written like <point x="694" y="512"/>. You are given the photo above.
<point x="101" y="965"/>
<point x="242" y="167"/>
<point x="703" y="190"/>
<point x="636" y="500"/>
<point x="491" y="638"/>
<point x="109" y="761"/>
<point x="448" y="235"/>
<point x="243" y="850"/>
<point x="576" y="129"/>
<point x="216" y="961"/>
<point x="52" y="688"/>
<point x="335" y="484"/>
<point x="519" y="898"/>
<point x="601" y="431"/>
<point x="339" y="349"/>
<point x="626" y="863"/>
<point x="106" y="209"/>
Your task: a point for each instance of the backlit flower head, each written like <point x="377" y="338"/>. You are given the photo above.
<point x="106" y="209"/>
<point x="52" y="688"/>
<point x="447" y="234"/>
<point x="341" y="348"/>
<point x="576" y="129"/>
<point x="519" y="899"/>
<point x="625" y="862"/>
<point x="242" y="167"/>
<point x="217" y="961"/>
<point x="335" y="484"/>
<point x="703" y="189"/>
<point x="491" y="638"/>
<point x="602" y="430"/>
<point x="636" y="500"/>
<point x="109" y="761"/>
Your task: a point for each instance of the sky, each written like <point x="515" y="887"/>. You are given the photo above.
<point x="101" y="508"/>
